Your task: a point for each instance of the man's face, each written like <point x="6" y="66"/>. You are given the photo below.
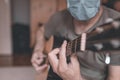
<point x="83" y="9"/>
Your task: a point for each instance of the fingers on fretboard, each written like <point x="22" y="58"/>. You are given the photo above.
<point x="73" y="46"/>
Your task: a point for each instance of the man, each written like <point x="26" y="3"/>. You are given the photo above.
<point x="81" y="16"/>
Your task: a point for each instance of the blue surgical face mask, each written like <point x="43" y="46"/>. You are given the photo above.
<point x="83" y="9"/>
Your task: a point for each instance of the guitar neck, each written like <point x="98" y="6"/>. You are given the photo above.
<point x="105" y="28"/>
<point x="97" y="44"/>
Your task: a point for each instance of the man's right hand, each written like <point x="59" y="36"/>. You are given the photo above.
<point x="38" y="56"/>
<point x="36" y="60"/>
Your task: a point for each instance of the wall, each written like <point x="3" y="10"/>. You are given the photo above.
<point x="5" y="28"/>
<point x="20" y="11"/>
<point x="41" y="10"/>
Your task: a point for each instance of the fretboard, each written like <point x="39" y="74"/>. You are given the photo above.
<point x="99" y="39"/>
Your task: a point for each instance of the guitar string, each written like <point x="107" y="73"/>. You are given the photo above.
<point x="76" y="45"/>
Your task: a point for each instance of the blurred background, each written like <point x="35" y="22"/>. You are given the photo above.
<point x="19" y="21"/>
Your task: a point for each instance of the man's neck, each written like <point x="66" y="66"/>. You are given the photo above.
<point x="84" y="26"/>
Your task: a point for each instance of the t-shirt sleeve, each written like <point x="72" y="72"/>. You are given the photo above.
<point x="92" y="64"/>
<point x="115" y="58"/>
<point x="92" y="59"/>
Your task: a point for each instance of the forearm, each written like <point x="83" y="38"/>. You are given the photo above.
<point x="114" y="67"/>
<point x="39" y="46"/>
<point x="114" y="73"/>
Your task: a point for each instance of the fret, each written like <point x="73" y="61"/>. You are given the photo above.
<point x="68" y="48"/>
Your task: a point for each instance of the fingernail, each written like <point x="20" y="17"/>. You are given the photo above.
<point x="65" y="42"/>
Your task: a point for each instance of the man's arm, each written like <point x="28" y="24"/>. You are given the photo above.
<point x="114" y="73"/>
<point x="37" y="57"/>
<point x="114" y="66"/>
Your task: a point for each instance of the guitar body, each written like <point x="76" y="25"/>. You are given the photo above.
<point x="49" y="45"/>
